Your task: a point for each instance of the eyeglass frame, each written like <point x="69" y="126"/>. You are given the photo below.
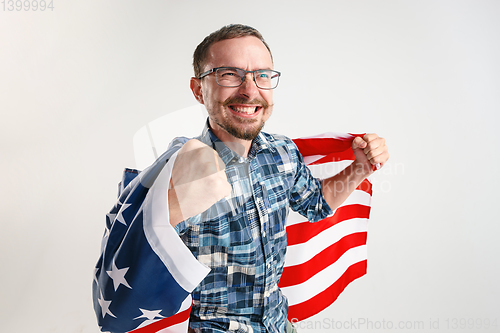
<point x="214" y="70"/>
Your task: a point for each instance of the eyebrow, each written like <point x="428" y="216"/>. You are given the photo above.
<point x="260" y="69"/>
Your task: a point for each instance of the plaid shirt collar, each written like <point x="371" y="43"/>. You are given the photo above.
<point x="227" y="155"/>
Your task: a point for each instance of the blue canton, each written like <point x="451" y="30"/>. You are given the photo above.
<point x="242" y="238"/>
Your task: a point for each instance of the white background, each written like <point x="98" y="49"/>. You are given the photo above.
<point x="77" y="82"/>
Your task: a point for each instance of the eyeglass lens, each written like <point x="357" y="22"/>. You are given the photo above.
<point x="233" y="77"/>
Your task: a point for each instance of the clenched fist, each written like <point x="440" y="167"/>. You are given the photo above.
<point x="371" y="152"/>
<point x="198" y="181"/>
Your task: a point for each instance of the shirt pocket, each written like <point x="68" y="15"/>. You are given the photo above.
<point x="241" y="295"/>
<point x="275" y="193"/>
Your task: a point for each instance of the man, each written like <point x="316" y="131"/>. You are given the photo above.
<point x="231" y="188"/>
<point x="238" y="103"/>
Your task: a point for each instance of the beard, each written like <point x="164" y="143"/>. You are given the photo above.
<point x="243" y="133"/>
<point x="233" y="126"/>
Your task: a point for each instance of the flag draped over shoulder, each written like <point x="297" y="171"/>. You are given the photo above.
<point x="324" y="257"/>
<point x="145" y="274"/>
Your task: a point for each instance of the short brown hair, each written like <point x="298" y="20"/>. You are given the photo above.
<point x="226" y="32"/>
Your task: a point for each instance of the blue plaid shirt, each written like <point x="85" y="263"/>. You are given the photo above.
<point x="242" y="238"/>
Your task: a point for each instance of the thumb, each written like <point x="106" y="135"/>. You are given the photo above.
<point x="358" y="143"/>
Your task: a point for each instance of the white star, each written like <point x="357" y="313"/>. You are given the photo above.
<point x="150" y="315"/>
<point x="118" y="276"/>
<point x="105" y="306"/>
<point x="119" y="217"/>
<point x="104" y="240"/>
<point x="106" y="233"/>
<point x="111" y="217"/>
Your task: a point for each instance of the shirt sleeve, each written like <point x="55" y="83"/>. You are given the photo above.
<point x="306" y="195"/>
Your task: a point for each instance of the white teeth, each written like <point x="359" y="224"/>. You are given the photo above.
<point x="247" y="110"/>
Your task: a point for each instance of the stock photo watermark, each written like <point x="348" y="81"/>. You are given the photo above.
<point x="27" y="5"/>
<point x="474" y="324"/>
<point x="378" y="180"/>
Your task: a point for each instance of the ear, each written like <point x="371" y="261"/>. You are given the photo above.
<point x="195" y="85"/>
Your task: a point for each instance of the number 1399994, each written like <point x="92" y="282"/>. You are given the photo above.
<point x="27" y="5"/>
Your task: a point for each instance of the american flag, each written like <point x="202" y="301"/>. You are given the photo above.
<point x="144" y="276"/>
<point x="324" y="257"/>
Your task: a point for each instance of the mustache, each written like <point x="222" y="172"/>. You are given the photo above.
<point x="241" y="100"/>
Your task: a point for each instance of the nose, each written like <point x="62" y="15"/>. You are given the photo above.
<point x="248" y="88"/>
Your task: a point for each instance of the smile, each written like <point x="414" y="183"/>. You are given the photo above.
<point x="248" y="110"/>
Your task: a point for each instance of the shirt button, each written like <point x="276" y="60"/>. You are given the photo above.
<point x="263" y="234"/>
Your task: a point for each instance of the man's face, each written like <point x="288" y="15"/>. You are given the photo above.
<point x="238" y="112"/>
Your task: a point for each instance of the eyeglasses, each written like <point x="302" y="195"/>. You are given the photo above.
<point x="234" y="77"/>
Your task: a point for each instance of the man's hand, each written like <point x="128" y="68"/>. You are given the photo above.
<point x="198" y="181"/>
<point x="371" y="153"/>
<point x="369" y="150"/>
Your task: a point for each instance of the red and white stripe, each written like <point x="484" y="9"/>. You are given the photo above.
<point x="324" y="257"/>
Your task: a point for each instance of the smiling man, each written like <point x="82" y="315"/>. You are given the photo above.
<point x="227" y="198"/>
<point x="242" y="237"/>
